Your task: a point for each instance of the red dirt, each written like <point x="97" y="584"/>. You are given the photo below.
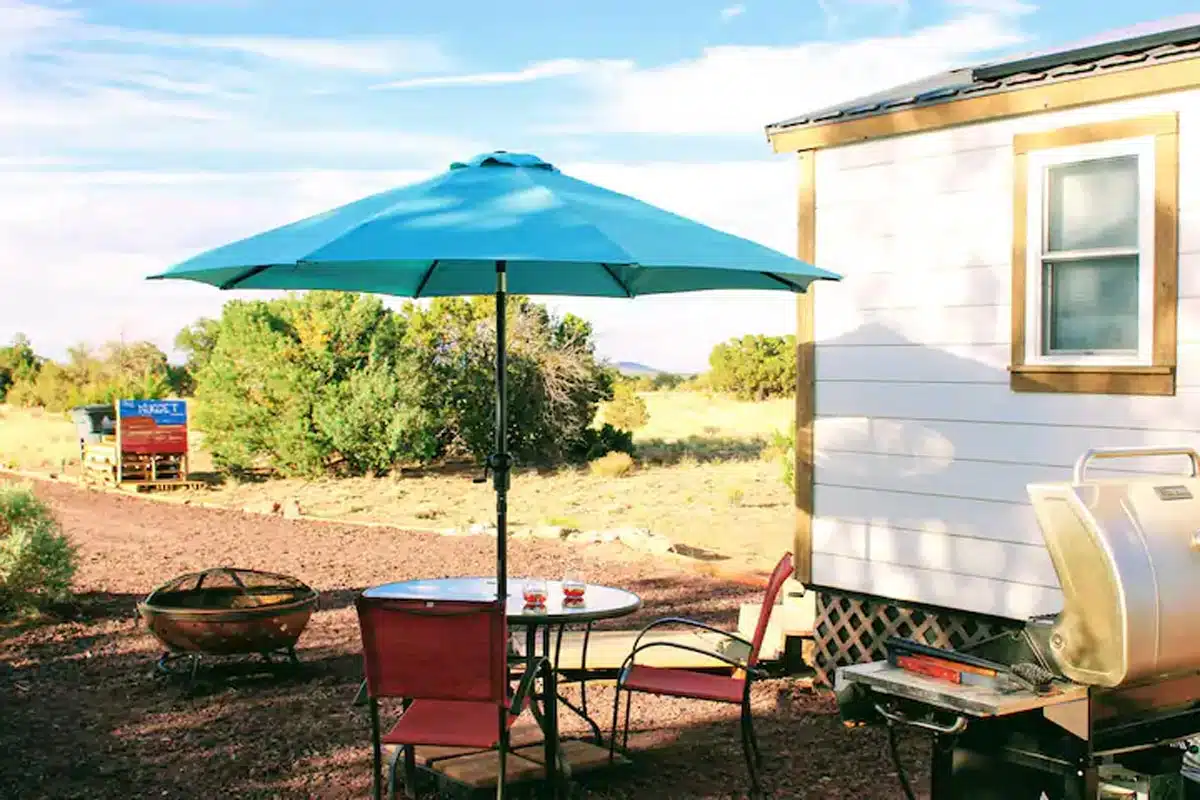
<point x="82" y="713"/>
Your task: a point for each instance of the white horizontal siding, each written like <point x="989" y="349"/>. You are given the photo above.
<point x="996" y="403"/>
<point x="948" y="589"/>
<point x="923" y="451"/>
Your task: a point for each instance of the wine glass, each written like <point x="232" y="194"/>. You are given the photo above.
<point x="574" y="586"/>
<point x="535" y="592"/>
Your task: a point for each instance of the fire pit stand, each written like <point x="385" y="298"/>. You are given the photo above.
<point x="227" y="611"/>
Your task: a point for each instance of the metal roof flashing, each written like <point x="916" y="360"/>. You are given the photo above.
<point x="1150" y="43"/>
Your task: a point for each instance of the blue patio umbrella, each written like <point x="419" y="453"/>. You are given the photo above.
<point x="500" y="223"/>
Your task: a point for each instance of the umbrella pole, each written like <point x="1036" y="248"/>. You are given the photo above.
<point x="501" y="461"/>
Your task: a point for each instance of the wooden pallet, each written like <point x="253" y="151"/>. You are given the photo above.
<point x="468" y="772"/>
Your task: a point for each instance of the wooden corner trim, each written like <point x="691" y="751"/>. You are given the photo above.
<point x="1108" y="87"/>
<point x="805" y="471"/>
<point x="1159" y="377"/>
<point x="1153" y="125"/>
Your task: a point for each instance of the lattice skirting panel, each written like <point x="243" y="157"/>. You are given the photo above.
<point x="852" y="630"/>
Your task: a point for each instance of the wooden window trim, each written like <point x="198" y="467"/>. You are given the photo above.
<point x="1158" y="378"/>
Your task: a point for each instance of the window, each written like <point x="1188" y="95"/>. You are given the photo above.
<point x="1094" y="261"/>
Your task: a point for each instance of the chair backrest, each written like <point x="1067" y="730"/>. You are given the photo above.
<point x="782" y="571"/>
<point x="434" y="649"/>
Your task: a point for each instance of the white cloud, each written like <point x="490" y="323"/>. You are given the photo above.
<point x="735" y="10"/>
<point x="69" y="84"/>
<point x="95" y="236"/>
<point x="542" y="70"/>
<point x="739" y="89"/>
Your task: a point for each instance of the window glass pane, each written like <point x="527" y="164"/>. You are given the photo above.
<point x="1093" y="204"/>
<point x="1090" y="305"/>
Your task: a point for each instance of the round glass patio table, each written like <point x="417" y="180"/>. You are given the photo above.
<point x="599" y="603"/>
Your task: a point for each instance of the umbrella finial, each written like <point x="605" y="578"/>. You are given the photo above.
<point x="503" y="158"/>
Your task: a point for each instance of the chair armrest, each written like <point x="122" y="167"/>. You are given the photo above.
<point x="523" y="688"/>
<point x="690" y="623"/>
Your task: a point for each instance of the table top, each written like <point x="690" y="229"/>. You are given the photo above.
<point x="599" y="602"/>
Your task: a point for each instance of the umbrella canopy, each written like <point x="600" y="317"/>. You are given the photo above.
<point x="499" y="223"/>
<point x="557" y="235"/>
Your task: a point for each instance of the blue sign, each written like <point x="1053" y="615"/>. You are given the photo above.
<point x="163" y="412"/>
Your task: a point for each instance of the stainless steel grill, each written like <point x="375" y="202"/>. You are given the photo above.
<point x="1110" y="682"/>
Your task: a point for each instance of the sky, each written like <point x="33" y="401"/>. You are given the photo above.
<point x="136" y="133"/>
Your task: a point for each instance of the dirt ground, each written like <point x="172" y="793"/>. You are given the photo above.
<point x="82" y="713"/>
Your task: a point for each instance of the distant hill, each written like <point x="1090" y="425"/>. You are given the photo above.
<point x="634" y="368"/>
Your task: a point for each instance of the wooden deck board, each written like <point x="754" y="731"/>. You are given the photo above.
<point x="479" y="771"/>
<point x="607" y="650"/>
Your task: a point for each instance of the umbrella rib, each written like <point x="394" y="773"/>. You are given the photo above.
<point x="784" y="281"/>
<point x="245" y="276"/>
<point x="425" y="278"/>
<point x="617" y="280"/>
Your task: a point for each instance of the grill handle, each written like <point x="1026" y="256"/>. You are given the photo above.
<point x="1096" y="453"/>
<point x="958" y="726"/>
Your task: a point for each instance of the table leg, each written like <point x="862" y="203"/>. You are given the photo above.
<point x="579" y="712"/>
<point x="551" y="728"/>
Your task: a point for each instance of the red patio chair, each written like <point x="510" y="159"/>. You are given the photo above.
<point x="732" y="688"/>
<point x="448" y="662"/>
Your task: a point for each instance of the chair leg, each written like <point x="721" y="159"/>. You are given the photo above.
<point x="502" y="777"/>
<point x="376" y="752"/>
<point x="394" y="762"/>
<point x="751" y="751"/>
<point x="612" y="742"/>
<point x="758" y="761"/>
<point x="628" y="703"/>
<point x="410" y="771"/>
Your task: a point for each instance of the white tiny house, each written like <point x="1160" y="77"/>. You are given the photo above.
<point x="1020" y="246"/>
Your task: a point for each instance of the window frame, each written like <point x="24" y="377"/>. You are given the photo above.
<point x="1152" y="370"/>
<point x="1038" y="231"/>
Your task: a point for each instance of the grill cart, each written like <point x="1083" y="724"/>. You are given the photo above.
<point x="1103" y="694"/>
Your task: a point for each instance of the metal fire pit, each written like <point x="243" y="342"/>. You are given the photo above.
<point x="228" y="612"/>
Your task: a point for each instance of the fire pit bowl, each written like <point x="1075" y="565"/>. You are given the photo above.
<point x="228" y="611"/>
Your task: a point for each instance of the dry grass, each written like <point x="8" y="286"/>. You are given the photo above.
<point x="35" y="439"/>
<point x="709" y="479"/>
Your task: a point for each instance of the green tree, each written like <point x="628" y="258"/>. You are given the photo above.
<point x="627" y="410"/>
<point x="755" y="367"/>
<point x="18" y="362"/>
<point x="555" y="383"/>
<point x="275" y="363"/>
<point x="117" y="370"/>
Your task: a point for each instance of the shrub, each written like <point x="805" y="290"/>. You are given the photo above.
<point x="755" y="367"/>
<point x="600" y="442"/>
<point x="627" y="409"/>
<point x="784" y="444"/>
<point x="613" y="465"/>
<point x="37" y="561"/>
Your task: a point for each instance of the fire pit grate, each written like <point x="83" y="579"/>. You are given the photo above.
<point x="228" y="611"/>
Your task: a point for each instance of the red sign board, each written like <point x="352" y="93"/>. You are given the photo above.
<point x="153" y="427"/>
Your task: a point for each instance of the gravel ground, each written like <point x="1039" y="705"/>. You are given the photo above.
<point x="82" y="713"/>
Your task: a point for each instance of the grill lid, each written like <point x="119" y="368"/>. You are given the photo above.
<point x="1127" y="555"/>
